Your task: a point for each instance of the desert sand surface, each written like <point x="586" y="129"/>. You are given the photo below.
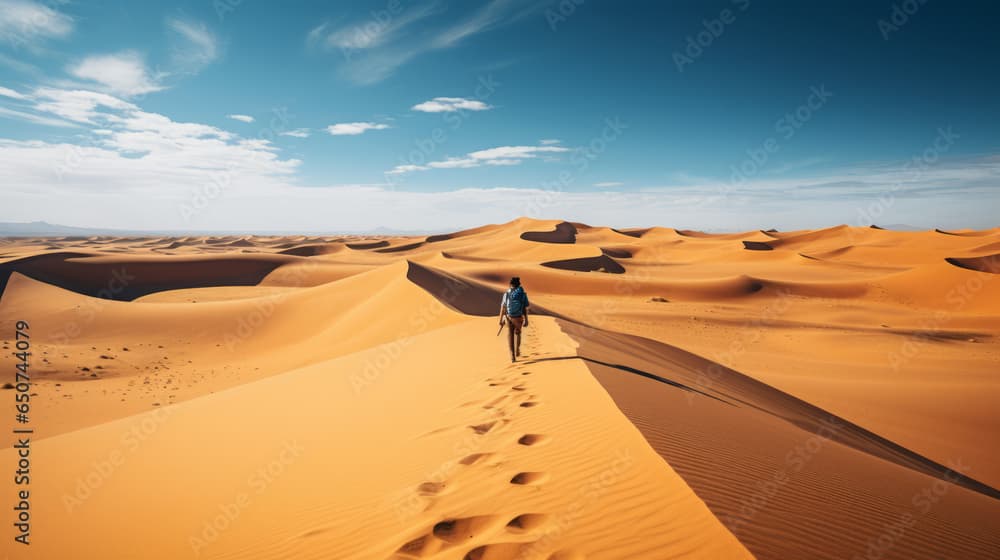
<point x="779" y="395"/>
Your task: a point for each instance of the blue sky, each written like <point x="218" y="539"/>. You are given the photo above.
<point x="436" y="115"/>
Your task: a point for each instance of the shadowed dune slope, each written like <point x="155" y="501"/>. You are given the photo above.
<point x="968" y="233"/>
<point x="765" y="462"/>
<point x="697" y="374"/>
<point x="311" y="250"/>
<point x="564" y="232"/>
<point x="757" y="246"/>
<point x="619" y="252"/>
<point x="462" y="294"/>
<point x="364" y="246"/>
<point x="126" y="278"/>
<point x="990" y="263"/>
<point x="603" y="263"/>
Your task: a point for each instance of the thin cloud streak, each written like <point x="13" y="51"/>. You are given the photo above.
<point x="26" y="23"/>
<point x="373" y="51"/>
<point x="195" y="46"/>
<point x="500" y="156"/>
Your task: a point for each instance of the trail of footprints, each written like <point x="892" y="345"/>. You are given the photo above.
<point x="525" y="530"/>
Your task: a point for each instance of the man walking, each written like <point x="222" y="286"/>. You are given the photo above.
<point x="514" y="309"/>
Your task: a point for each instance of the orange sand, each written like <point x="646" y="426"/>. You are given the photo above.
<point x="682" y="394"/>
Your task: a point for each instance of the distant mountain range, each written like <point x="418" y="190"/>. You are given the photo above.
<point x="44" y="229"/>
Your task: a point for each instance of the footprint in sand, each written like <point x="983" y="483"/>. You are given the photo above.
<point x="529" y="478"/>
<point x="462" y="529"/>
<point x="469" y="460"/>
<point x="432" y="488"/>
<point x="501" y="382"/>
<point x="526" y="522"/>
<point x="501" y="551"/>
<point x="451" y="533"/>
<point x="480" y="429"/>
<point x="448" y="533"/>
<point x="532" y="439"/>
<point x="488" y="427"/>
<point x="495" y="402"/>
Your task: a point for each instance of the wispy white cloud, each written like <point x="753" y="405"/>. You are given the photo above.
<point x="296" y="133"/>
<point x="515" y="152"/>
<point x="80" y="106"/>
<point x="500" y="156"/>
<point x="373" y="50"/>
<point x="493" y="14"/>
<point x="549" y="141"/>
<point x="373" y="67"/>
<point x="370" y="33"/>
<point x="367" y="49"/>
<point x="451" y="105"/>
<point x="354" y="128"/>
<point x="406" y="168"/>
<point x="454" y="163"/>
<point x="317" y="35"/>
<point x="122" y="73"/>
<point x="25" y="22"/>
<point x="33" y="118"/>
<point x="40" y="106"/>
<point x="194" y="46"/>
<point x="609" y="184"/>
<point x="7" y="92"/>
<point x="243" y="118"/>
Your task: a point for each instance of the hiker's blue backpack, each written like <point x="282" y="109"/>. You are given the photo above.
<point x="516" y="302"/>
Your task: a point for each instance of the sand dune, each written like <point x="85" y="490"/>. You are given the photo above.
<point x="989" y="263"/>
<point x="128" y="278"/>
<point x="824" y="394"/>
<point x="311" y="250"/>
<point x="603" y="263"/>
<point x="368" y="245"/>
<point x="758" y="246"/>
<point x="564" y="232"/>
<point x="969" y="232"/>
